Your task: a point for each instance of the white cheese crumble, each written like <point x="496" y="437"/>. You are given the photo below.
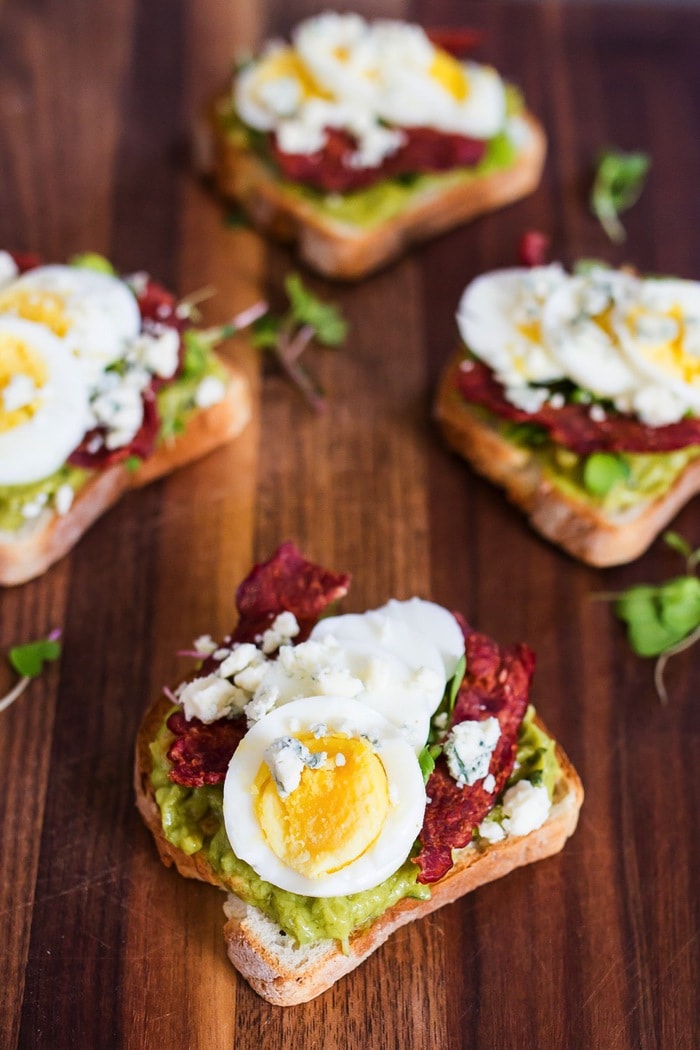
<point x="469" y="747"/>
<point x="210" y="392"/>
<point x="210" y="697"/>
<point x="157" y="350"/>
<point x="525" y="808"/>
<point x="286" y="758"/>
<point x="282" y="629"/>
<point x="205" y="645"/>
<point x="63" y="500"/>
<point x="491" y="830"/>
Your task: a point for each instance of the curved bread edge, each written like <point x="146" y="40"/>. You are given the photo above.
<point x="286" y="975"/>
<point x="347" y="252"/>
<point x="46" y="539"/>
<point x="581" y="529"/>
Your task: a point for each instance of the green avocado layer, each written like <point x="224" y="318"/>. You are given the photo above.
<point x="629" y="478"/>
<point x="193" y="821"/>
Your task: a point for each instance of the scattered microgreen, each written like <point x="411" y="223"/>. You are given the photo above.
<point x="426" y="760"/>
<point x="286" y="336"/>
<point x="664" y="619"/>
<point x="28" y="661"/>
<point x="618" y="183"/>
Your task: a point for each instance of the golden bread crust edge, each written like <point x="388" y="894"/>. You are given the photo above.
<point x="581" y="529"/>
<point x="348" y="252"/>
<point x="49" y="537"/>
<point x="315" y="970"/>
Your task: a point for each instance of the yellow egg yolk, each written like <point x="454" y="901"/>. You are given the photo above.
<point x="450" y="74"/>
<point x="286" y="63"/>
<point x="18" y="359"/>
<point x="334" y="815"/>
<point x="45" y="308"/>
<point x="669" y="355"/>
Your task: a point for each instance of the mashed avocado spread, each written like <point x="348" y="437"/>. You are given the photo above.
<point x="639" y="476"/>
<point x="193" y="821"/>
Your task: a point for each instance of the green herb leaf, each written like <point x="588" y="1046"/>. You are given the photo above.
<point x="265" y="332"/>
<point x="426" y="760"/>
<point x="679" y="544"/>
<point x="665" y="619"/>
<point x="236" y="220"/>
<point x="28" y="660"/>
<point x="455" y="683"/>
<point x="618" y="183"/>
<point x="196" y="353"/>
<point x="329" y="325"/>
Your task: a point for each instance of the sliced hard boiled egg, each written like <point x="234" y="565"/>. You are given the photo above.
<point x="43" y="402"/>
<point x="500" y="320"/>
<point x="95" y="314"/>
<point x="659" y="332"/>
<point x="434" y="623"/>
<point x="579" y="325"/>
<point x="323" y="797"/>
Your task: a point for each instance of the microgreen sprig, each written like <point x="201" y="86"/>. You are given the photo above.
<point x="286" y="337"/>
<point x="28" y="661"/>
<point x="664" y="619"/>
<point x="618" y="183"/>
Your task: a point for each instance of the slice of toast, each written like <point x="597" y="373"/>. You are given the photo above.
<point x="340" y="249"/>
<point x="30" y="550"/>
<point x="579" y="527"/>
<point x="286" y="974"/>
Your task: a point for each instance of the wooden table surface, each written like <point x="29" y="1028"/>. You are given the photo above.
<point x="100" y="946"/>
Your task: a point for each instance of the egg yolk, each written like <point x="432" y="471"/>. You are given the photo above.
<point x="286" y="63"/>
<point x="450" y="74"/>
<point x="668" y="354"/>
<point x="45" y="308"/>
<point x="334" y="815"/>
<point x="17" y="359"/>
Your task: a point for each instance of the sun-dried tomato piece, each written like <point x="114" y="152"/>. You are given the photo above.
<point x="142" y="444"/>
<point x="200" y="753"/>
<point x="496" y="684"/>
<point x="424" y="150"/>
<point x="287" y="582"/>
<point x="532" y="248"/>
<point x="572" y="425"/>
<point x="456" y="40"/>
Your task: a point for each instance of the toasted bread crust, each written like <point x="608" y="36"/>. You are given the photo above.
<point x="580" y="528"/>
<point x="31" y="551"/>
<point x="348" y="252"/>
<point x="286" y="976"/>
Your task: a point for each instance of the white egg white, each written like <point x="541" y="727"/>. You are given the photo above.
<point x="587" y="352"/>
<point x="35" y="449"/>
<point x="342" y="716"/>
<point x="494" y="317"/>
<point x="658" y="328"/>
<point x="101" y="311"/>
<point x="433" y="623"/>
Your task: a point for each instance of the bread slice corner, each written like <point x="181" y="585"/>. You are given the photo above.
<point x="579" y="527"/>
<point x="31" y="550"/>
<point x="342" y="250"/>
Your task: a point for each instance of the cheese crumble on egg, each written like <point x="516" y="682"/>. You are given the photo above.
<point x="632" y="340"/>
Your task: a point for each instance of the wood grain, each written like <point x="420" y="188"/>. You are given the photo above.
<point x="99" y="944"/>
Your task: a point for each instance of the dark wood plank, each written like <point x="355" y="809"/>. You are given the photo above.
<point x="101" y="945"/>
